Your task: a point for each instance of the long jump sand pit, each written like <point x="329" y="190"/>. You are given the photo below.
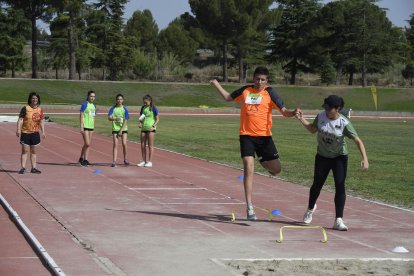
<point x="302" y="267"/>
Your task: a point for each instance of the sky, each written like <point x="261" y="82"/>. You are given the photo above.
<point x="165" y="11"/>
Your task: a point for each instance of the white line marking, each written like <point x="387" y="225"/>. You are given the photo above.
<point x="204" y="203"/>
<point x="320" y="259"/>
<point x="167" y="188"/>
<point x="38" y="247"/>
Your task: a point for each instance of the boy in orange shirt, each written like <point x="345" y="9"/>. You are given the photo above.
<point x="257" y="102"/>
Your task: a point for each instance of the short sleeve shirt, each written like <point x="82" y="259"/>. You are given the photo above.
<point x="150" y="116"/>
<point x="331" y="135"/>
<point x="32" y="117"/>
<point x="89" y="111"/>
<point x="120" y="112"/>
<point x="256" y="109"/>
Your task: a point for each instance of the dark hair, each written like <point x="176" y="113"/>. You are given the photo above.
<point x="333" y="101"/>
<point x="89" y="93"/>
<point x="119" y="95"/>
<point x="29" y="100"/>
<point x="148" y="97"/>
<point x="261" y="70"/>
<point x="116" y="98"/>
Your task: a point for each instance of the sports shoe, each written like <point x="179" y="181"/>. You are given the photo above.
<point x="148" y="164"/>
<point x="34" y="170"/>
<point x="84" y="163"/>
<point x="22" y="171"/>
<point x="141" y="164"/>
<point x="339" y="225"/>
<point x="126" y="163"/>
<point x="251" y="215"/>
<point x="87" y="162"/>
<point x="307" y="217"/>
<point x="113" y="165"/>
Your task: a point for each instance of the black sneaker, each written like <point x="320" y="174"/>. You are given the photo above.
<point x="87" y="162"/>
<point x="34" y="170"/>
<point x="84" y="163"/>
<point x="22" y="171"/>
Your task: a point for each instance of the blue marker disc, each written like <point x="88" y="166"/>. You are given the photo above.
<point x="97" y="171"/>
<point x="276" y="212"/>
<point x="241" y="177"/>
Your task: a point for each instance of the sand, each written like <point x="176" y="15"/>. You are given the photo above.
<point x="321" y="267"/>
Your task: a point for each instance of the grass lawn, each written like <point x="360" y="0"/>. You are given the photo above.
<point x="389" y="144"/>
<point x="194" y="95"/>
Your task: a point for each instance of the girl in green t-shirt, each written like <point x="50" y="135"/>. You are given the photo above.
<point x="119" y="116"/>
<point x="87" y="125"/>
<point x="148" y="121"/>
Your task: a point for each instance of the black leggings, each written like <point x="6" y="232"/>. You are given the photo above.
<point x="323" y="165"/>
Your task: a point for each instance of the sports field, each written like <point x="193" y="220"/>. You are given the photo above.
<point x="214" y="138"/>
<point x="175" y="218"/>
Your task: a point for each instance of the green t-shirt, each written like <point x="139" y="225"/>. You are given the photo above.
<point x="120" y="112"/>
<point x="149" y="119"/>
<point x="89" y="111"/>
<point x="331" y="135"/>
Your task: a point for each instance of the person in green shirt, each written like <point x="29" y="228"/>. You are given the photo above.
<point x="148" y="121"/>
<point x="119" y="116"/>
<point x="332" y="127"/>
<point x="87" y="125"/>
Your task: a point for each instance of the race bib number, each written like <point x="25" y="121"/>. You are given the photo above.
<point x="254" y="99"/>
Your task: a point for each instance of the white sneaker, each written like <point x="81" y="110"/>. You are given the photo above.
<point x="148" y="164"/>
<point x="141" y="164"/>
<point x="307" y="217"/>
<point x="251" y="215"/>
<point x="339" y="225"/>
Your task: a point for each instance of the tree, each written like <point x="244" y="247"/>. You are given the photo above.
<point x="96" y="31"/>
<point x="358" y="37"/>
<point x="71" y="8"/>
<point x="13" y="28"/>
<point x="59" y="47"/>
<point x="143" y="28"/>
<point x="117" y="50"/>
<point x="251" y="19"/>
<point x="408" y="73"/>
<point x="216" y="18"/>
<point x="33" y="10"/>
<point x="291" y="41"/>
<point x="178" y="41"/>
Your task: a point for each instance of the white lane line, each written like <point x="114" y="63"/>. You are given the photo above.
<point x="38" y="247"/>
<point x="205" y="203"/>
<point x="320" y="259"/>
<point x="168" y="188"/>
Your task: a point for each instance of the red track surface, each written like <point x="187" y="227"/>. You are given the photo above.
<point x="171" y="219"/>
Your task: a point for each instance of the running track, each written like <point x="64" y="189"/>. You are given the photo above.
<point x="172" y="219"/>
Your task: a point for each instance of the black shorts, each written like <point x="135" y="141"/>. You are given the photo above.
<point x="87" y="129"/>
<point x="30" y="139"/>
<point x="123" y="132"/>
<point x="148" y="131"/>
<point x="262" y="146"/>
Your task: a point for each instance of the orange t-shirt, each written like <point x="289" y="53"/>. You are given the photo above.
<point x="256" y="109"/>
<point x="32" y="118"/>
